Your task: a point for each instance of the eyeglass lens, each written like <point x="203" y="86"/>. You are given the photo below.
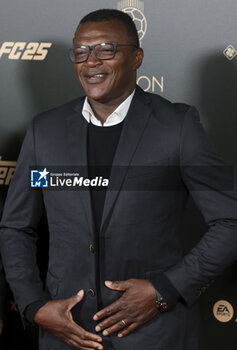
<point x="102" y="51"/>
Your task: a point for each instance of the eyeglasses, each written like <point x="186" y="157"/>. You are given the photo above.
<point x="102" y="51"/>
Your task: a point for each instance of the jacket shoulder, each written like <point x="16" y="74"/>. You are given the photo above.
<point x="167" y="110"/>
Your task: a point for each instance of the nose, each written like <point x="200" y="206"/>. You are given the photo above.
<point x="92" y="59"/>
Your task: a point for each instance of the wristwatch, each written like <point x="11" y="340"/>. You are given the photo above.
<point x="161" y="304"/>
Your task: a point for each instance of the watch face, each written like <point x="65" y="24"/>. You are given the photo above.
<point x="162" y="305"/>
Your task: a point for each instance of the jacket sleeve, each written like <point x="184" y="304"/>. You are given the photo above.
<point x="212" y="184"/>
<point x="22" y="212"/>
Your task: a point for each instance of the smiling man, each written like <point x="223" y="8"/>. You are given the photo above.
<point x="117" y="278"/>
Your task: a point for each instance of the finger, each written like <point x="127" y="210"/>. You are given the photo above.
<point x="75" y="299"/>
<point x="109" y="321"/>
<point x="80" y="332"/>
<point x="80" y="343"/>
<point x="128" y="329"/>
<point x="118" y="285"/>
<point x="71" y="342"/>
<point x="91" y="344"/>
<point x="87" y="348"/>
<point x="92" y="336"/>
<point x="108" y="310"/>
<point x="79" y="347"/>
<point x="116" y="327"/>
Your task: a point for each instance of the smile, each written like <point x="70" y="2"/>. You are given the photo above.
<point x="96" y="78"/>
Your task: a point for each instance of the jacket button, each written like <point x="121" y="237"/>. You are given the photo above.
<point x="91" y="292"/>
<point x="92" y="250"/>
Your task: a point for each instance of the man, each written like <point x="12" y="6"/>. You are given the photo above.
<point x="116" y="275"/>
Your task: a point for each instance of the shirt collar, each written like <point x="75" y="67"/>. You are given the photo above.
<point x="114" y="118"/>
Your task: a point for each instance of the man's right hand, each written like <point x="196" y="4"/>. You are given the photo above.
<point x="55" y="316"/>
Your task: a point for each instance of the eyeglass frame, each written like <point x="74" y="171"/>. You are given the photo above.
<point x="92" y="48"/>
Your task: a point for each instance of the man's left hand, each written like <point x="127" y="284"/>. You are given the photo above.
<point x="136" y="306"/>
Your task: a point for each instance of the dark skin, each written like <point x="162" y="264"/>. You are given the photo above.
<point x="107" y="84"/>
<point x="136" y="306"/>
<point x="55" y="316"/>
<point x="118" y="79"/>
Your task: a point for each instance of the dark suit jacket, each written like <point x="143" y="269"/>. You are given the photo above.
<point x="140" y="229"/>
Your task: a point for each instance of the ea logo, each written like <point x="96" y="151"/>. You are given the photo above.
<point x="135" y="8"/>
<point x="223" y="311"/>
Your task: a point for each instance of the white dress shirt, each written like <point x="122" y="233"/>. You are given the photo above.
<point x="114" y="118"/>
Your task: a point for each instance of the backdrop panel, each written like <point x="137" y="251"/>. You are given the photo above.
<point x="190" y="57"/>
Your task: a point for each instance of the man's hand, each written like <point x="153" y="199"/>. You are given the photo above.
<point x="136" y="306"/>
<point x="1" y="326"/>
<point x="55" y="317"/>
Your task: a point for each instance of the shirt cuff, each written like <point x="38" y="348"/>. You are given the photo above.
<point x="167" y="291"/>
<point x="31" y="310"/>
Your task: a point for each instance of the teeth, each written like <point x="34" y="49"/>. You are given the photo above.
<point x="96" y="76"/>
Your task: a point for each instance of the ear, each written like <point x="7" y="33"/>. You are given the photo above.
<point x="138" y="58"/>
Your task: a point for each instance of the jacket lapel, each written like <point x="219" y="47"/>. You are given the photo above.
<point x="77" y="140"/>
<point x="133" y="128"/>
